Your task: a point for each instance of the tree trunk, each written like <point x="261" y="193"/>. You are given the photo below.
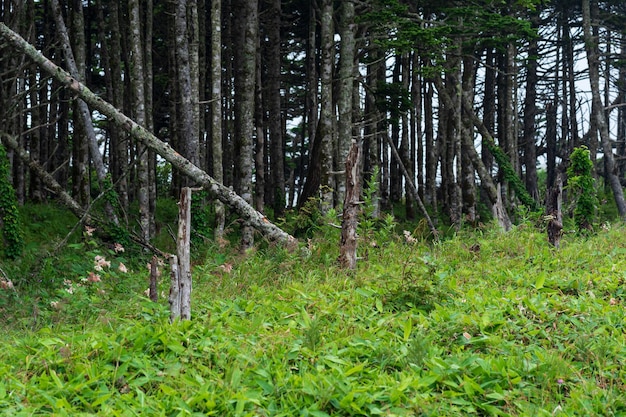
<point x="261" y="166"/>
<point x="84" y="112"/>
<point x="468" y="174"/>
<point x="593" y="59"/>
<point x="347" y="53"/>
<point x="216" y="189"/>
<point x="553" y="211"/>
<point x="326" y="136"/>
<point x="530" y="111"/>
<point x="188" y="120"/>
<point x="275" y="125"/>
<point x="351" y="208"/>
<point x="245" y="58"/>
<point x="216" y="110"/>
<point x="411" y="187"/>
<point x="183" y="248"/>
<point x="137" y="83"/>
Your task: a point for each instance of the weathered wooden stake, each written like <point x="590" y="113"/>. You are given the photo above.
<point x="180" y="288"/>
<point x="350" y="222"/>
<point x="154" y="276"/>
<point x="553" y="212"/>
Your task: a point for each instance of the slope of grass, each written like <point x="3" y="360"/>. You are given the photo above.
<point x="485" y="323"/>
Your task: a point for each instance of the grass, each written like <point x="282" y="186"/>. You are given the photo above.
<point x="483" y="323"/>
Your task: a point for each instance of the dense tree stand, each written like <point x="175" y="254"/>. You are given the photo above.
<point x="216" y="189"/>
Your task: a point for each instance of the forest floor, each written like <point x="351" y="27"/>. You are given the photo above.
<point x="482" y="323"/>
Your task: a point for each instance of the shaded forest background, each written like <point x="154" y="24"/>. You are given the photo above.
<point x="448" y="99"/>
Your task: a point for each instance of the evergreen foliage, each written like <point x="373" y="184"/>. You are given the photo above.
<point x="582" y="185"/>
<point x="510" y="176"/>
<point x="11" y="229"/>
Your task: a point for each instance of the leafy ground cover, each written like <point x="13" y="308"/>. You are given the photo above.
<point x="483" y="323"/>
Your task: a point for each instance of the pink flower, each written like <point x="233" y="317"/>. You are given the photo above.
<point x="6" y="285"/>
<point x="89" y="230"/>
<point x="100" y="262"/>
<point x="93" y="277"/>
<point x="118" y="248"/>
<point x="122" y="268"/>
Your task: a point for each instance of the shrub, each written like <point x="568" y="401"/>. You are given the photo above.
<point x="581" y="184"/>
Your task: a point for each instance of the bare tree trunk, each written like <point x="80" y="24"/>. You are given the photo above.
<point x="137" y="82"/>
<point x="468" y="173"/>
<point x="261" y="168"/>
<point x="344" y="99"/>
<point x="591" y="47"/>
<point x="183" y="249"/>
<point x="327" y="182"/>
<point x="351" y="208"/>
<point x="80" y="149"/>
<point x="553" y="211"/>
<point x="149" y="105"/>
<point x="154" y="277"/>
<point x="216" y="110"/>
<point x="216" y="189"/>
<point x="275" y="125"/>
<point x="188" y="121"/>
<point x="84" y="112"/>
<point x="530" y="111"/>
<point x="430" y="193"/>
<point x="244" y="110"/>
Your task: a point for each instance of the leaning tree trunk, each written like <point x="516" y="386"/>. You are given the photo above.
<point x="216" y="189"/>
<point x="591" y="47"/>
<point x="84" y="112"/>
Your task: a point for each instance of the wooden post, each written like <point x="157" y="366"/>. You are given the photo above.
<point x="350" y="222"/>
<point x="154" y="276"/>
<point x="180" y="286"/>
<point x="174" y="298"/>
<point x="499" y="212"/>
<point x="183" y="248"/>
<point x="553" y="212"/>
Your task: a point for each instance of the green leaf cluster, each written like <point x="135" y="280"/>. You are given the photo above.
<point x="581" y="183"/>
<point x="9" y="213"/>
<point x="510" y="176"/>
<point x="483" y="323"/>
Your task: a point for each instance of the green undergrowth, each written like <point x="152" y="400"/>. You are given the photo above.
<point x="483" y="323"/>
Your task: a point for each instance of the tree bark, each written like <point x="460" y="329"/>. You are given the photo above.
<point x="216" y="110"/>
<point x="216" y="189"/>
<point x="183" y="249"/>
<point x="84" y="112"/>
<point x="350" y="220"/>
<point x="137" y="84"/>
<point x="327" y="182"/>
<point x="593" y="59"/>
<point x="530" y="112"/>
<point x="344" y="98"/>
<point x="275" y="125"/>
<point x="245" y="57"/>
<point x="554" y="214"/>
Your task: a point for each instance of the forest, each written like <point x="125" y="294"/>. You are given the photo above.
<point x="399" y="207"/>
<point x="453" y="107"/>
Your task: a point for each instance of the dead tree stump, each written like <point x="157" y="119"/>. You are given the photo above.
<point x="553" y="212"/>
<point x="180" y="264"/>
